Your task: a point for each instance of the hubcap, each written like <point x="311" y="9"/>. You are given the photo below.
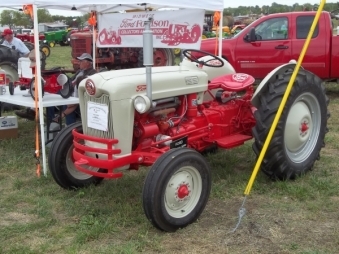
<point x="302" y="127"/>
<point x="72" y="169"/>
<point x="160" y="57"/>
<point x="183" y="192"/>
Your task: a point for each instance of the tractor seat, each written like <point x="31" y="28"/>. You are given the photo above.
<point x="232" y="82"/>
<point x="52" y="71"/>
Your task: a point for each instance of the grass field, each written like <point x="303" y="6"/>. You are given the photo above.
<point x="37" y="216"/>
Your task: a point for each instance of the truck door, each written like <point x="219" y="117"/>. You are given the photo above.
<point x="271" y="48"/>
<point x="314" y="59"/>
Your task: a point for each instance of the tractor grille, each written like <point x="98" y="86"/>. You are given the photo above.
<point x="78" y="47"/>
<point x="104" y="99"/>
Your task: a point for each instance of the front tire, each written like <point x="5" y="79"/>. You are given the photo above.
<point x="61" y="164"/>
<point x="176" y="189"/>
<point x="300" y="133"/>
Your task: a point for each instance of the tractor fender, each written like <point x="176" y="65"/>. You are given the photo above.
<point x="266" y="81"/>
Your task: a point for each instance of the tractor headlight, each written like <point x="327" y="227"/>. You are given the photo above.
<point x="142" y="103"/>
<point x="90" y="87"/>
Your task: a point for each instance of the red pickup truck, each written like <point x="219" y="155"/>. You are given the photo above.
<point x="276" y="39"/>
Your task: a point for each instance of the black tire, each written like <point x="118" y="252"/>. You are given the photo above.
<point x="32" y="90"/>
<point x="61" y="164"/>
<point x="46" y="49"/>
<point x="11" y="88"/>
<point x="175" y="165"/>
<point x="29" y="45"/>
<point x="9" y="62"/>
<point x="300" y="133"/>
<point x="67" y="90"/>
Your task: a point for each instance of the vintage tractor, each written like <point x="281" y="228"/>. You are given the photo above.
<point x="116" y="58"/>
<point x="57" y="37"/>
<point x="181" y="33"/>
<point x="180" y="112"/>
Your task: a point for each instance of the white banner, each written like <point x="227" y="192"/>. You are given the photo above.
<point x="171" y="29"/>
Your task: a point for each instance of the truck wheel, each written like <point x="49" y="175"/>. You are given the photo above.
<point x="9" y="62"/>
<point x="300" y="132"/>
<point x="61" y="164"/>
<point x="176" y="189"/>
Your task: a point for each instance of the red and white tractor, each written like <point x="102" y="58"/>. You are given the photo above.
<point x="185" y="110"/>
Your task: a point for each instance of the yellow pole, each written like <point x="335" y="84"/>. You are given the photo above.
<point x="284" y="99"/>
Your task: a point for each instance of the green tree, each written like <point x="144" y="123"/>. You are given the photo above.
<point x="44" y="16"/>
<point x="7" y="17"/>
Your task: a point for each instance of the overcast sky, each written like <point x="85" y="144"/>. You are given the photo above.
<point x="229" y="3"/>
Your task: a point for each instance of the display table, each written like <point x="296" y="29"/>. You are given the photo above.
<point x="49" y="100"/>
<point x="20" y="98"/>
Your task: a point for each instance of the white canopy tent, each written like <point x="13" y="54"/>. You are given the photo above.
<point x="102" y="6"/>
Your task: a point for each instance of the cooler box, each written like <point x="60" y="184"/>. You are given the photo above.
<point x="24" y="69"/>
<point x="8" y="127"/>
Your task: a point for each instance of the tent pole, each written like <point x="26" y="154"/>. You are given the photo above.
<point x="94" y="46"/>
<point x="38" y="78"/>
<point x="220" y="34"/>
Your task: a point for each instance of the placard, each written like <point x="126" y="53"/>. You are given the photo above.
<point x="171" y="29"/>
<point x="97" y="116"/>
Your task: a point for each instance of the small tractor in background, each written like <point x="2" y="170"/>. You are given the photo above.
<point x="57" y="37"/>
<point x="115" y="58"/>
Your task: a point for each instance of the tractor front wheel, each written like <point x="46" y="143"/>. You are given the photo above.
<point x="176" y="189"/>
<point x="300" y="133"/>
<point x="61" y="162"/>
<point x="32" y="88"/>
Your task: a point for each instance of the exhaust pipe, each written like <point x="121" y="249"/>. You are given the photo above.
<point x="148" y="56"/>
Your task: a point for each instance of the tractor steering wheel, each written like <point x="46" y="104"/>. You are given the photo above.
<point x="215" y="62"/>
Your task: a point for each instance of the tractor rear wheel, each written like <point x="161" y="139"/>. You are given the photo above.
<point x="9" y="62"/>
<point x="176" y="189"/>
<point x="61" y="163"/>
<point x="161" y="57"/>
<point x="300" y="133"/>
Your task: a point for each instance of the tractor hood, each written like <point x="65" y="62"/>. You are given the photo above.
<point x="166" y="82"/>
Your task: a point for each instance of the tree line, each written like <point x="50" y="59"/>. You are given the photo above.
<point x="13" y="18"/>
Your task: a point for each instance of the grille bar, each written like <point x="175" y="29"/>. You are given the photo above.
<point x="104" y="99"/>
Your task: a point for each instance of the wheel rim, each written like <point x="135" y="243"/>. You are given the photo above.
<point x="183" y="192"/>
<point x="162" y="57"/>
<point x="11" y="73"/>
<point x="51" y="44"/>
<point x="72" y="169"/>
<point x="45" y="50"/>
<point x="177" y="51"/>
<point x="302" y="127"/>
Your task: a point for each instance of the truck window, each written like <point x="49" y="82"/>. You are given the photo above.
<point x="304" y="24"/>
<point x="273" y="29"/>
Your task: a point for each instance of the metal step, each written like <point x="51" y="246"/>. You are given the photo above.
<point x="232" y="141"/>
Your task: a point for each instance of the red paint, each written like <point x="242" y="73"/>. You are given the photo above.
<point x="183" y="191"/>
<point x="260" y="57"/>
